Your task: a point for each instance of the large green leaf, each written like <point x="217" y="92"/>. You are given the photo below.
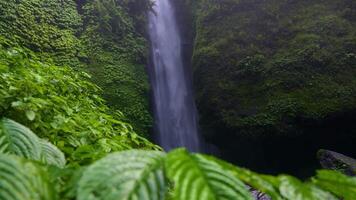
<point x="133" y="174"/>
<point x="293" y="189"/>
<point x="337" y="183"/>
<point x="262" y="183"/>
<point x="51" y="154"/>
<point x="18" y="139"/>
<point x="195" y="177"/>
<point x="23" y="180"/>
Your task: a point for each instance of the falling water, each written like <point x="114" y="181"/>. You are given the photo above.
<point x="174" y="107"/>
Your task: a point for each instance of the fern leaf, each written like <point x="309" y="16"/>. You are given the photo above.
<point x="18" y="139"/>
<point x="23" y="180"/>
<point x="196" y="177"/>
<point x="133" y="174"/>
<point x="337" y="183"/>
<point x="51" y="155"/>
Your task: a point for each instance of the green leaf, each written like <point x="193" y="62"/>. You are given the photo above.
<point x="30" y="115"/>
<point x="337" y="183"/>
<point x="51" y="154"/>
<point x="262" y="183"/>
<point x="66" y="180"/>
<point x="292" y="188"/>
<point x="18" y="139"/>
<point x="23" y="180"/>
<point x="16" y="103"/>
<point x="195" y="177"/>
<point x="133" y="174"/>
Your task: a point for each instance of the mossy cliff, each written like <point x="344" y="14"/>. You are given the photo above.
<point x="274" y="72"/>
<point x="103" y="37"/>
<point x="263" y="67"/>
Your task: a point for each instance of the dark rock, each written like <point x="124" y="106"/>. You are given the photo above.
<point x="336" y="161"/>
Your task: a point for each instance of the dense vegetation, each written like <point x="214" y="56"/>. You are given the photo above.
<point x="138" y="174"/>
<point x="61" y="105"/>
<point x="103" y="37"/>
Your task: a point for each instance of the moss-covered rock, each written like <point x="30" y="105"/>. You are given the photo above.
<point x="263" y="68"/>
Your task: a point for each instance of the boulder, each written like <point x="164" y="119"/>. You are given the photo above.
<point x="337" y="161"/>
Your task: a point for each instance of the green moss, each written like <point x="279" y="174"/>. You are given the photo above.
<point x="282" y="61"/>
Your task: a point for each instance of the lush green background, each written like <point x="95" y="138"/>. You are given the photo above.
<point x="102" y="37"/>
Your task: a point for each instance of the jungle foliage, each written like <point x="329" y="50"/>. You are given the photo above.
<point x="62" y="106"/>
<point x="102" y="37"/>
<point x="149" y="175"/>
<point x="116" y="52"/>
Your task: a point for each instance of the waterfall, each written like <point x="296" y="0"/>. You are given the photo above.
<point x="174" y="108"/>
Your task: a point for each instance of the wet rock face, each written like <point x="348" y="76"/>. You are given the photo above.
<point x="336" y="161"/>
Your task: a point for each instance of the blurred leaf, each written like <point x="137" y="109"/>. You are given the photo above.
<point x="51" y="154"/>
<point x="262" y="183"/>
<point x="30" y="115"/>
<point x="18" y="139"/>
<point x="292" y="188"/>
<point x="337" y="183"/>
<point x="133" y="174"/>
<point x="24" y="180"/>
<point x="195" y="177"/>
